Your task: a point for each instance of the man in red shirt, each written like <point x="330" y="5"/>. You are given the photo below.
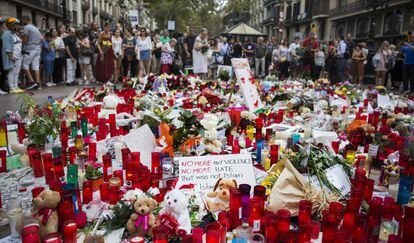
<point x="311" y="46"/>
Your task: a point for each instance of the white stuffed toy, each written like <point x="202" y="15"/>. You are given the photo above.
<point x="211" y="140"/>
<point x="176" y="204"/>
<point x="110" y="102"/>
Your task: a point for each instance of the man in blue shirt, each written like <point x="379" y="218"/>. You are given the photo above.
<point x="408" y="74"/>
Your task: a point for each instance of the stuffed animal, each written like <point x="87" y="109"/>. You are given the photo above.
<point x="143" y="219"/>
<point x="176" y="204"/>
<point x="218" y="200"/>
<point x="211" y="141"/>
<point x="110" y="102"/>
<point x="46" y="203"/>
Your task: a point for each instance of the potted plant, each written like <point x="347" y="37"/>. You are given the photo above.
<point x="224" y="75"/>
<point x="92" y="173"/>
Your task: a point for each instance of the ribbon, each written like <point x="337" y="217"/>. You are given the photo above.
<point x="45" y="212"/>
<point x="142" y="220"/>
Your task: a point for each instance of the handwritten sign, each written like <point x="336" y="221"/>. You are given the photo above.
<point x="339" y="179"/>
<point x="141" y="140"/>
<point x="204" y="171"/>
<point x="247" y="83"/>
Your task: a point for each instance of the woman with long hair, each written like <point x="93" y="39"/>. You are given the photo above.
<point x="381" y="68"/>
<point x="283" y="59"/>
<point x="358" y="58"/>
<point x="104" y="66"/>
<point x="143" y="47"/>
<point x="129" y="62"/>
<point x="85" y="56"/>
<point x="117" y="48"/>
<point x="59" y="64"/>
<point x="156" y="54"/>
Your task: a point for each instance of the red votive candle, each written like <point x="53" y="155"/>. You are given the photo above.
<point x="255" y="213"/>
<point x="52" y="238"/>
<point x="103" y="190"/>
<point x="351" y="210"/>
<point x="87" y="192"/>
<point x="107" y="166"/>
<point x="92" y="151"/>
<point x="329" y="228"/>
<point x="315" y="229"/>
<point x="155" y="162"/>
<point x="235" y="149"/>
<point x="235" y="205"/>
<point x="120" y="175"/>
<point x="271" y="229"/>
<point x="213" y="232"/>
<point x="113" y="195"/>
<point x="336" y="209"/>
<point x="21" y="131"/>
<point x="368" y="189"/>
<point x="335" y="146"/>
<point x="125" y="155"/>
<point x="72" y="155"/>
<point x="198" y="233"/>
<point x="69" y="231"/>
<point x="304" y="235"/>
<point x="48" y="167"/>
<point x="30" y="234"/>
<point x="274" y="153"/>
<point x="283" y="224"/>
<point x="37" y="166"/>
<point x="160" y="235"/>
<point x="3" y="163"/>
<point x="305" y="211"/>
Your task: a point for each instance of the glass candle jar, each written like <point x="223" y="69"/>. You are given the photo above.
<point x="304" y="234"/>
<point x="305" y="211"/>
<point x="283" y="224"/>
<point x="336" y="209"/>
<point x="48" y="167"/>
<point x="260" y="192"/>
<point x="352" y="208"/>
<point x="271" y="228"/>
<point x="329" y="228"/>
<point x="120" y="175"/>
<point x="198" y="233"/>
<point x="15" y="214"/>
<point x="87" y="190"/>
<point x="103" y="190"/>
<point x="160" y="235"/>
<point x="3" y="161"/>
<point x="66" y="209"/>
<point x="72" y="155"/>
<point x="235" y="205"/>
<point x="107" y="166"/>
<point x="113" y="194"/>
<point x="36" y="162"/>
<point x="92" y="151"/>
<point x="405" y="189"/>
<point x="21" y="131"/>
<point x="214" y="232"/>
<point x="245" y="196"/>
<point x="155" y="162"/>
<point x="53" y="238"/>
<point x="255" y="213"/>
<point x="30" y="234"/>
<point x="69" y="231"/>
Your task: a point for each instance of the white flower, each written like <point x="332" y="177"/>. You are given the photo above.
<point x="210" y="122"/>
<point x="248" y="115"/>
<point x="133" y="194"/>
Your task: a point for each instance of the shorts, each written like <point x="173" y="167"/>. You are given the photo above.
<point x="144" y="55"/>
<point x="49" y="65"/>
<point x="86" y="60"/>
<point x="31" y="60"/>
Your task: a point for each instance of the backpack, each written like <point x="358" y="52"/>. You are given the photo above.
<point x="348" y="52"/>
<point x="389" y="62"/>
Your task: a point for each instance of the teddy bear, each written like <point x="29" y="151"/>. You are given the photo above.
<point x="143" y="219"/>
<point x="211" y="141"/>
<point x="45" y="204"/>
<point x="109" y="104"/>
<point x="218" y="200"/>
<point x="176" y="204"/>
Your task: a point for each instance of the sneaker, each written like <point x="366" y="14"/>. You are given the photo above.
<point x="86" y="83"/>
<point x="109" y="83"/>
<point x="3" y="92"/>
<point x="33" y="86"/>
<point x="70" y="84"/>
<point x="53" y="84"/>
<point x="18" y="90"/>
<point x="49" y="84"/>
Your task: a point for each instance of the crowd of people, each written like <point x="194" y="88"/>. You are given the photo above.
<point x="32" y="58"/>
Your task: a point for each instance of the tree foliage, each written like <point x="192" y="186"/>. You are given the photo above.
<point x="238" y="6"/>
<point x="199" y="13"/>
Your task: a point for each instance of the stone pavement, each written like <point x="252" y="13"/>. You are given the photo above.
<point x="10" y="102"/>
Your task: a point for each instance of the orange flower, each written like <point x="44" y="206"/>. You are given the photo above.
<point x="166" y="139"/>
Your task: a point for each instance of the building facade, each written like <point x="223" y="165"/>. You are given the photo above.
<point x="257" y="13"/>
<point x="51" y="13"/>
<point x="363" y="19"/>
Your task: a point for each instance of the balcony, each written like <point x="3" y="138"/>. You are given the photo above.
<point x="94" y="10"/>
<point x="42" y="5"/>
<point x="269" y="2"/>
<point x="320" y="9"/>
<point x="269" y="21"/>
<point x="356" y="7"/>
<point x="105" y="15"/>
<point x="86" y="5"/>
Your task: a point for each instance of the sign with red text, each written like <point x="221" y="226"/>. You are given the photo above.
<point x="247" y="83"/>
<point x="204" y="171"/>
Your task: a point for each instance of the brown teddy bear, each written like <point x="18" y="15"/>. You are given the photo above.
<point x="143" y="219"/>
<point x="45" y="204"/>
<point x="218" y="200"/>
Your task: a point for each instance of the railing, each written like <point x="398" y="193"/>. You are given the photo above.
<point x="268" y="2"/>
<point x="42" y="5"/>
<point x="268" y="20"/>
<point x="355" y="7"/>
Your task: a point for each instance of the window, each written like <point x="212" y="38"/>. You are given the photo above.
<point x="342" y="3"/>
<point x="75" y="17"/>
<point x="392" y="23"/>
<point x="340" y="29"/>
<point x="19" y="12"/>
<point x="362" y="28"/>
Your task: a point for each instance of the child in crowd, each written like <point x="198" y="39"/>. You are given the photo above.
<point x="48" y="57"/>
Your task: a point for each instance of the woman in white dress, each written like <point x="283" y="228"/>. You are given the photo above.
<point x="200" y="61"/>
<point x="117" y="47"/>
